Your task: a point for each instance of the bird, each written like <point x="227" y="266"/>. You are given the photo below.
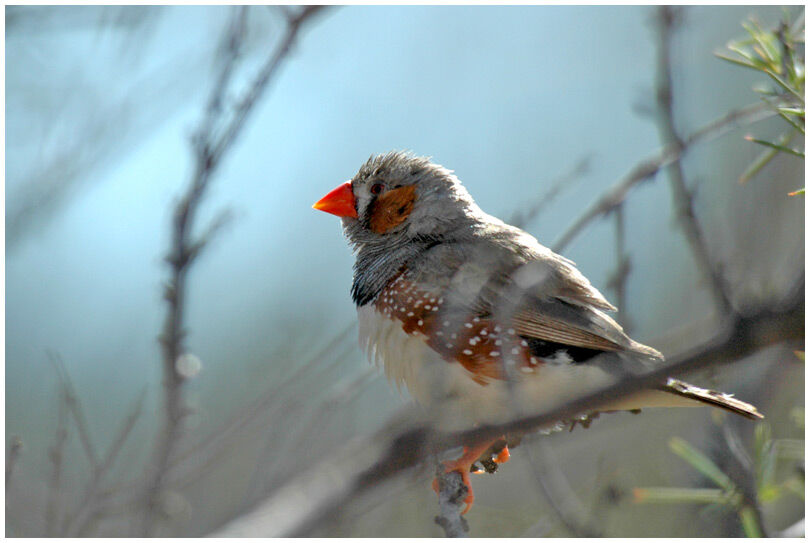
<point x="475" y="317"/>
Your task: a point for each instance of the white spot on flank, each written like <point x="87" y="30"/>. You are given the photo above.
<point x="498" y="342"/>
<point x="483" y="332"/>
<point x="526" y="369"/>
<point x="560" y="357"/>
<point x="511" y="331"/>
<point x="515" y="350"/>
<point x="432" y="300"/>
<point x="449" y="345"/>
<point x="419" y="322"/>
<point x="495" y="353"/>
<point x="410" y="313"/>
<point x="467" y="352"/>
<point x="476" y="319"/>
<point x="427" y="306"/>
<point x="497" y="328"/>
<point x="446" y="323"/>
<point x="468" y="325"/>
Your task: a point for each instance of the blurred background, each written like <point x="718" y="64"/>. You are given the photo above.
<point x="539" y="110"/>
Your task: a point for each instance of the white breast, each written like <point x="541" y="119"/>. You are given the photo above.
<point x="447" y="390"/>
<point x="408" y="360"/>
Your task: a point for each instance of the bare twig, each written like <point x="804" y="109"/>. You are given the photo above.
<point x="522" y="217"/>
<point x="56" y="456"/>
<point x="279" y="443"/>
<point x="452" y="492"/>
<point x="76" y="410"/>
<point x="647" y="169"/>
<point x="557" y="491"/>
<point x="272" y="65"/>
<point x="741" y="471"/>
<point x="682" y="196"/>
<point x="267" y="408"/>
<point x="321" y="493"/>
<point x="741" y="336"/>
<point x="212" y="445"/>
<point x="230" y="50"/>
<point x="209" y="145"/>
<point x="618" y="280"/>
<point x="82" y="518"/>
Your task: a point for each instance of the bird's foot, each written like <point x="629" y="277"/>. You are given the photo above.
<point x="492" y="458"/>
<point x="464" y="471"/>
<point x="466" y="464"/>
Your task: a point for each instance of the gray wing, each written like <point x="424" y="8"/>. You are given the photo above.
<point x="507" y="274"/>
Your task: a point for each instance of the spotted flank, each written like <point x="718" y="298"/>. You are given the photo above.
<point x="475" y="341"/>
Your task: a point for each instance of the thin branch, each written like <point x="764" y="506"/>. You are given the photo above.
<point x="618" y="279"/>
<point x="647" y="169"/>
<point x="230" y="49"/>
<point x="557" y="491"/>
<point x="76" y="410"/>
<point x="82" y="518"/>
<point x="209" y="145"/>
<point x="302" y="505"/>
<point x="279" y="443"/>
<point x="452" y="492"/>
<point x="56" y="455"/>
<point x="212" y="444"/>
<point x="741" y="336"/>
<point x="682" y="196"/>
<point x="522" y="217"/>
<point x="294" y="23"/>
<point x="742" y="473"/>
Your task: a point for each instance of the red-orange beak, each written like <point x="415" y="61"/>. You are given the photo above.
<point x="339" y="202"/>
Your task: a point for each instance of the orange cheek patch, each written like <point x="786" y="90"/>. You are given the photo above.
<point x="391" y="209"/>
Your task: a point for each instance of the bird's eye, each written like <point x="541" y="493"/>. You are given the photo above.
<point x="376" y="188"/>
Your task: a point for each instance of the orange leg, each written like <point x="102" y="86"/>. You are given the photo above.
<point x="463" y="464"/>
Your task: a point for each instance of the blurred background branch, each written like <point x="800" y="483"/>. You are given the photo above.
<point x="668" y="19"/>
<point x="287" y="432"/>
<point x="406" y="449"/>
<point x="215" y="136"/>
<point x="646" y="170"/>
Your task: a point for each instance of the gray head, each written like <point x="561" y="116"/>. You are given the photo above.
<point x="393" y="208"/>
<point x="400" y="197"/>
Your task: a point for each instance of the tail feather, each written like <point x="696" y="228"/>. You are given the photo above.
<point x="711" y="397"/>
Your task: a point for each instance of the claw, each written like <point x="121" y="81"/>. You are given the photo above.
<point x="464" y="464"/>
<point x="503" y="456"/>
<point x="465" y="479"/>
